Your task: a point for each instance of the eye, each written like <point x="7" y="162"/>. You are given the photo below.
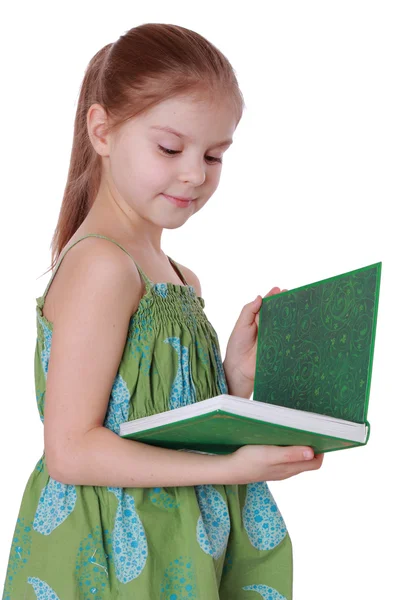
<point x="169" y="152"/>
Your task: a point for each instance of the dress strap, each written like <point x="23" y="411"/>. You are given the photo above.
<point x="148" y="283"/>
<point x="177" y="269"/>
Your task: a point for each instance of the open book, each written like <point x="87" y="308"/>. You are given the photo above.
<point x="312" y="381"/>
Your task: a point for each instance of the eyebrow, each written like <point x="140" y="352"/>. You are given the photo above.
<point x="182" y="135"/>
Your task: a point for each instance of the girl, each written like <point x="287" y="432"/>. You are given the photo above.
<point x="122" y="334"/>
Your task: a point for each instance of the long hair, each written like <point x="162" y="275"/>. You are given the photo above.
<point x="147" y="65"/>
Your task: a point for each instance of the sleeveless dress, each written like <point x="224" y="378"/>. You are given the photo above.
<point x="204" y="542"/>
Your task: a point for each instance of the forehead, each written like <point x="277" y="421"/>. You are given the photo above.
<point x="193" y="119"/>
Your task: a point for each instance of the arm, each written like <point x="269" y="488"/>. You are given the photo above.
<point x="98" y="290"/>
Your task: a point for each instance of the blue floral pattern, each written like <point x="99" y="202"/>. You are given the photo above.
<point x="266" y="592"/>
<point x="183" y="390"/>
<point x="19" y="554"/>
<point x="118" y="406"/>
<point x="213" y="525"/>
<point x="42" y="589"/>
<point x="92" y="565"/>
<point x="163" y="499"/>
<point x="129" y="540"/>
<point x="56" y="503"/>
<point x="179" y="580"/>
<point x="261" y="517"/>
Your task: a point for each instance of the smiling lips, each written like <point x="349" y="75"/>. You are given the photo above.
<point x="179" y="200"/>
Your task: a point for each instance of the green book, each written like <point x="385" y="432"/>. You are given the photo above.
<point x="313" y="375"/>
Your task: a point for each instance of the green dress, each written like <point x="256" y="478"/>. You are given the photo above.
<point x="203" y="542"/>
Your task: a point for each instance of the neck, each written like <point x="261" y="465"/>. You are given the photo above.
<point x="112" y="214"/>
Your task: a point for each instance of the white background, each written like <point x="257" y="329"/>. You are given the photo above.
<point x="309" y="189"/>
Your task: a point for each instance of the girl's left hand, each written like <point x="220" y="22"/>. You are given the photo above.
<point x="241" y="350"/>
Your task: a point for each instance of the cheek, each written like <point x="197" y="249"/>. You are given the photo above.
<point x="152" y="173"/>
<point x="214" y="175"/>
<point x="136" y="171"/>
<point x="121" y="161"/>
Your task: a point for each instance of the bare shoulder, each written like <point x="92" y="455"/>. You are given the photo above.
<point x="94" y="268"/>
<point x="191" y="278"/>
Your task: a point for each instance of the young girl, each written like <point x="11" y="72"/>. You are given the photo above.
<point x="122" y="334"/>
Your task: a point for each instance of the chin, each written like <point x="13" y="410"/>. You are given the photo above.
<point x="174" y="224"/>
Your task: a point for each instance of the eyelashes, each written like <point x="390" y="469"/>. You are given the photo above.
<point x="168" y="152"/>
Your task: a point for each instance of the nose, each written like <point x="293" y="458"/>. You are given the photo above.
<point x="193" y="172"/>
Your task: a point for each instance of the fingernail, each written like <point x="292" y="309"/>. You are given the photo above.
<point x="308" y="454"/>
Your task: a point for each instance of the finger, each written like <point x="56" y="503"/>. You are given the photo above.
<point x="272" y="292"/>
<point x="306" y="465"/>
<point x="291" y="469"/>
<point x="249" y="312"/>
<point x="275" y="290"/>
<point x="290" y="454"/>
<point x="301" y="464"/>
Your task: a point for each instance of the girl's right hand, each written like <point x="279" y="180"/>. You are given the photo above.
<point x="253" y="463"/>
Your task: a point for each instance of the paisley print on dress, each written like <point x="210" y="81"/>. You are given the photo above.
<point x="183" y="390"/>
<point x="118" y="406"/>
<point x="178" y="582"/>
<point x="266" y="592"/>
<point x="220" y="371"/>
<point x="19" y="555"/>
<point x="213" y="525"/>
<point x="92" y="565"/>
<point x="45" y="353"/>
<point x="129" y="541"/>
<point x="42" y="590"/>
<point x="56" y="503"/>
<point x="163" y="499"/>
<point x="161" y="289"/>
<point x="261" y="517"/>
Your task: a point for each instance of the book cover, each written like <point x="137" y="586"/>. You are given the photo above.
<point x="316" y="343"/>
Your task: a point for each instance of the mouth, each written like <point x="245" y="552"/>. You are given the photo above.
<point x="179" y="200"/>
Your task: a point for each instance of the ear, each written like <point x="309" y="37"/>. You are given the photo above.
<point x="96" y="121"/>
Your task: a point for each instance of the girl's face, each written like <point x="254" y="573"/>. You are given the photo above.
<point x="145" y="161"/>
